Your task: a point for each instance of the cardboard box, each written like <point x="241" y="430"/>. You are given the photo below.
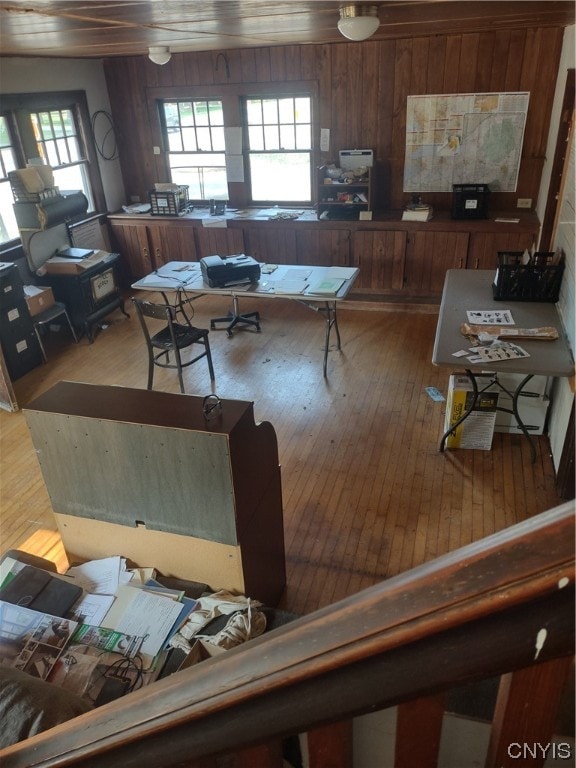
<point x="533" y="412"/>
<point x="477" y="430"/>
<point x="38" y="298"/>
<point x="201" y="650"/>
<point x="59" y="265"/>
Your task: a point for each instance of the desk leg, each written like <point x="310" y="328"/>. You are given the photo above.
<point x="515" y="397"/>
<point x="515" y="412"/>
<point x="465" y="414"/>
<point x="331" y="317"/>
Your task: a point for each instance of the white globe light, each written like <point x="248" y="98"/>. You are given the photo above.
<point x="159" y="54"/>
<point x="358" y="22"/>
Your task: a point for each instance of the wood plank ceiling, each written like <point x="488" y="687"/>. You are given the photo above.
<point x="103" y="28"/>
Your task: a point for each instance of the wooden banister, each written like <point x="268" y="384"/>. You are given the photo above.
<point x="476" y="612"/>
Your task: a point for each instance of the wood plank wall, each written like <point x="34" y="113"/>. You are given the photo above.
<point x="362" y="91"/>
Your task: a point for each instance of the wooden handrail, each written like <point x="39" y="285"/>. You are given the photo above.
<point x="496" y="605"/>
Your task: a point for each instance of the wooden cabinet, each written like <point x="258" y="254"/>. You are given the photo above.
<point x="485" y="245"/>
<point x="429" y="254"/>
<point x="400" y="259"/>
<point x="343" y="199"/>
<point x="271" y="244"/>
<point x="131" y="241"/>
<point x="198" y="499"/>
<point x="380" y="256"/>
<point x="217" y="241"/>
<point x="172" y="243"/>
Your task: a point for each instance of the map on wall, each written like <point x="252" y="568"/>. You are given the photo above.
<point x="470" y="138"/>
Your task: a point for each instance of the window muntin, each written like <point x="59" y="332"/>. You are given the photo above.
<point x="279" y="134"/>
<point x="8" y="162"/>
<point x="195" y="138"/>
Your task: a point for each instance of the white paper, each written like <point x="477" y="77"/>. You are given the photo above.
<point x="490" y="317"/>
<point x="324" y="139"/>
<point x="100" y="577"/>
<point x="235" y="168"/>
<point x="91" y="609"/>
<point x="144" y="614"/>
<point x="214" y="221"/>
<point x="233" y="141"/>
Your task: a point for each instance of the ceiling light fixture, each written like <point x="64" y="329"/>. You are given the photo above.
<point x="358" y="22"/>
<point x="159" y="54"/>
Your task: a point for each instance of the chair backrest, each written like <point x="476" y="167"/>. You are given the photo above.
<point x="156" y="311"/>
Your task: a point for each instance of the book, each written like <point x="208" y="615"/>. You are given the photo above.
<point x="328" y="287"/>
<point x="74" y="253"/>
<point x="423" y="213"/>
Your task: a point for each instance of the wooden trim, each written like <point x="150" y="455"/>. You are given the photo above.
<point x="477" y="610"/>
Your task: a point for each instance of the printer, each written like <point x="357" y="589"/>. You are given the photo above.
<point x="222" y="271"/>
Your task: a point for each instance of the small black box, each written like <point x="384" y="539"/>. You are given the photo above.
<point x="470" y="201"/>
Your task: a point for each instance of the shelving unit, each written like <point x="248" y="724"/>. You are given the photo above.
<point x="343" y="199"/>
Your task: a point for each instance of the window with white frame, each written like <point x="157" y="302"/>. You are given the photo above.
<point x="8" y="162"/>
<point x="49" y="128"/>
<point x="194" y="135"/>
<point x="59" y="145"/>
<point x="279" y="134"/>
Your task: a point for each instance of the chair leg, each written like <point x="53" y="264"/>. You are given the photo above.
<point x="179" y="368"/>
<point x="150" y="369"/>
<point x="71" y="327"/>
<point x="37" y="332"/>
<point x="209" y="357"/>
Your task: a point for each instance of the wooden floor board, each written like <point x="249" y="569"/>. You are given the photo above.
<point x="366" y="492"/>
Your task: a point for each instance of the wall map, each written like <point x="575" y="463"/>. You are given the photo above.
<point x="471" y="138"/>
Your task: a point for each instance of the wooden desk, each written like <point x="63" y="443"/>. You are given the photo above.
<point x="185" y="278"/>
<point x="472" y="290"/>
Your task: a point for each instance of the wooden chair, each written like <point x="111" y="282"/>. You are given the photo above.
<point x="173" y="338"/>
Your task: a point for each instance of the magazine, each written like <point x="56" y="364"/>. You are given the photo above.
<point x="32" y="641"/>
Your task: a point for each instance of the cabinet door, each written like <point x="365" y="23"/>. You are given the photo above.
<point x="271" y="244"/>
<point x="323" y="248"/>
<point x="428" y="255"/>
<point x="484" y="246"/>
<point x="380" y="256"/>
<point x="132" y="244"/>
<point x="216" y="241"/>
<point x="171" y="242"/>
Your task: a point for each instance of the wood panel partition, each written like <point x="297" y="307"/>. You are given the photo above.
<point x="477" y="612"/>
<point x="361" y="96"/>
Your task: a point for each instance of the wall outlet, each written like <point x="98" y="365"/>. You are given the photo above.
<point x="156" y="150"/>
<point x="524" y="202"/>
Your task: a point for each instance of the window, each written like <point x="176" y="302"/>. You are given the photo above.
<point x="60" y="146"/>
<point x="273" y="154"/>
<point x="194" y="133"/>
<point x="53" y="127"/>
<point x="280" y="148"/>
<point x="8" y="162"/>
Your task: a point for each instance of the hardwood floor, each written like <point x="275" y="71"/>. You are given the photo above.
<point x="366" y="492"/>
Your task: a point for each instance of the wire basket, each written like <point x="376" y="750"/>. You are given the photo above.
<point x="22" y="196"/>
<point x="173" y="203"/>
<point x="538" y="280"/>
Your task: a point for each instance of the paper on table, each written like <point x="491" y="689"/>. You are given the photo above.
<point x="141" y="613"/>
<point x="327" y="287"/>
<point x="490" y="317"/>
<point x="343" y="273"/>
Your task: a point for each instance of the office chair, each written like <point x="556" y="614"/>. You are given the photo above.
<point x="45" y="318"/>
<point x="172" y="338"/>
